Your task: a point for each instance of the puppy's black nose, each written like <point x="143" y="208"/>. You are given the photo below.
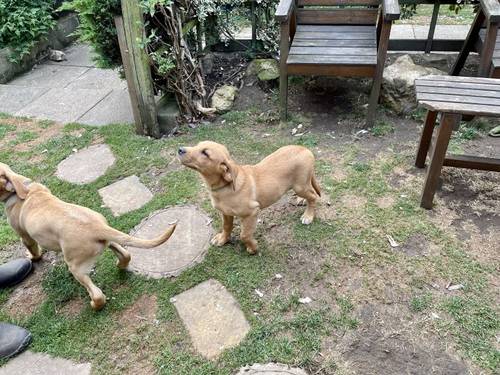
<point x="181" y="151"/>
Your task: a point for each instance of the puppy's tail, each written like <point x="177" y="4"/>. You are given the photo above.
<point x="112" y="235"/>
<point x="315" y="185"/>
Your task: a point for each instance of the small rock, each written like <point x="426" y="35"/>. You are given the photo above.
<point x="278" y="276"/>
<point x="55" y="55"/>
<point x="305" y="300"/>
<point x="392" y="241"/>
<point x="455" y="287"/>
<point x="259" y="293"/>
<point x="398" y="87"/>
<point x="223" y="98"/>
<point x="264" y="69"/>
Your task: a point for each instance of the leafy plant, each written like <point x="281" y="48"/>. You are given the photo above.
<point x="23" y="23"/>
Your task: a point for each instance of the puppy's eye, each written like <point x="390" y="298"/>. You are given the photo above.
<point x="204" y="152"/>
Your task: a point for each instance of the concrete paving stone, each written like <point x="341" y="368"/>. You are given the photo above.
<point x="187" y="246"/>
<point x="76" y="55"/>
<point x="402" y="32"/>
<point x="98" y="79"/>
<point x="14" y="98"/>
<point x="114" y="108"/>
<point x="63" y="105"/>
<point x="270" y="369"/>
<point x="442" y="31"/>
<point x="46" y="75"/>
<point x="125" y="195"/>
<point x="86" y="165"/>
<point x="30" y="363"/>
<point x="212" y="317"/>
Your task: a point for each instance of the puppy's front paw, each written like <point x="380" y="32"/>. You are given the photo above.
<point x="306" y="219"/>
<point x="219" y="239"/>
<point x="33" y="258"/>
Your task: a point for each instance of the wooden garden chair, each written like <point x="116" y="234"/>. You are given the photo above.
<point x="346" y="38"/>
<point x="483" y="38"/>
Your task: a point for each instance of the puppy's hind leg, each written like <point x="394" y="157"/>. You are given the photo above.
<point x="309" y="193"/>
<point x="80" y="268"/>
<point x="122" y="255"/>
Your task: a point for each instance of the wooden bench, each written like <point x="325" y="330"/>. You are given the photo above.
<point x="452" y="97"/>
<point x="483" y="38"/>
<point x="337" y="38"/>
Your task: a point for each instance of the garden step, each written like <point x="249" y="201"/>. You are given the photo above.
<point x="187" y="246"/>
<point x="125" y="195"/>
<point x="212" y="317"/>
<point x="29" y="363"/>
<point x="86" y="165"/>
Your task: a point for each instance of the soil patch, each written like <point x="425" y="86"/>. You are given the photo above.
<point x="418" y="245"/>
<point x="40" y="134"/>
<point x="386" y="201"/>
<point x="387" y="343"/>
<point x="73" y="308"/>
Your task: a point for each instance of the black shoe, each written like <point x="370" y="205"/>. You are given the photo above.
<point x="13" y="340"/>
<point x="14" y="272"/>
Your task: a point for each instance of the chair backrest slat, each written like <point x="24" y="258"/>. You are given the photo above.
<point x="337" y="2"/>
<point x="341" y="16"/>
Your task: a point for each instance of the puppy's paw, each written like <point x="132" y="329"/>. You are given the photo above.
<point x="33" y="258"/>
<point x="219" y="239"/>
<point x="300" y="201"/>
<point x="306" y="219"/>
<point x="98" y="303"/>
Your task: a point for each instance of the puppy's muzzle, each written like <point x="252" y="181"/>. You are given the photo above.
<point x="181" y="151"/>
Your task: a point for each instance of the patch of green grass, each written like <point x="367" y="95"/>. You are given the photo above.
<point x="420" y="303"/>
<point x="382" y="128"/>
<point x="6" y="128"/>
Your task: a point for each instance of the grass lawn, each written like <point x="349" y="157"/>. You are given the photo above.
<point x="362" y="289"/>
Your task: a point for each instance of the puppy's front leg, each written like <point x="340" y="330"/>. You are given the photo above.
<point x="248" y="225"/>
<point x="34" y="252"/>
<point x="223" y="237"/>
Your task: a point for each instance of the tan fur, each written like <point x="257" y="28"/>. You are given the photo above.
<point x="242" y="190"/>
<point x="44" y="221"/>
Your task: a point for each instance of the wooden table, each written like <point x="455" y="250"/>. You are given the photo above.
<point x="452" y="97"/>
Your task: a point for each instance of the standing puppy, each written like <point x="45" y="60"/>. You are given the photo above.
<point x="44" y="221"/>
<point x="241" y="190"/>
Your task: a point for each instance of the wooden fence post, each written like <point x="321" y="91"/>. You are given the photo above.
<point x="130" y="30"/>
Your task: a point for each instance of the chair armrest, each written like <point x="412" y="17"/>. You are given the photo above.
<point x="491" y="9"/>
<point x="284" y="10"/>
<point x="390" y="9"/>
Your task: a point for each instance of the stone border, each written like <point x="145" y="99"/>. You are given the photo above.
<point x="58" y="38"/>
<point x="198" y="259"/>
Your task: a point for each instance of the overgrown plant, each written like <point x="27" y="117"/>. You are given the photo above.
<point x="23" y="23"/>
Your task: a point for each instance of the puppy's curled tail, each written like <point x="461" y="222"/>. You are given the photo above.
<point x="112" y="235"/>
<point x="315" y="185"/>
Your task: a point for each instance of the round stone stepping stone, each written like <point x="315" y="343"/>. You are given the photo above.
<point x="270" y="369"/>
<point x="185" y="248"/>
<point x="125" y="195"/>
<point x="212" y="317"/>
<point x="87" y="165"/>
<point x="29" y="363"/>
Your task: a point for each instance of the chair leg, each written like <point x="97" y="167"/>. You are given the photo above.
<point x="283" y="96"/>
<point x="373" y="102"/>
<point x="448" y="121"/>
<point x="425" y="140"/>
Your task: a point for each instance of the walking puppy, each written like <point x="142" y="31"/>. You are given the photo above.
<point x="241" y="190"/>
<point x="44" y="221"/>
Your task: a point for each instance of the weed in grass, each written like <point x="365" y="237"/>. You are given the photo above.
<point x="382" y="128"/>
<point x="420" y="303"/>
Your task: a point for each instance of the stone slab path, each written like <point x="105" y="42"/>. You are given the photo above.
<point x="212" y="317"/>
<point x="87" y="165"/>
<point x="125" y="195"/>
<point x="74" y="90"/>
<point x="270" y="369"/>
<point x="29" y="363"/>
<point x="187" y="246"/>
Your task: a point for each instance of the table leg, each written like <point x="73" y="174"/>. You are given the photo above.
<point x="425" y="139"/>
<point x="448" y="121"/>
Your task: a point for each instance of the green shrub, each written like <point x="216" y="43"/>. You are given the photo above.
<point x="97" y="27"/>
<point x="23" y="23"/>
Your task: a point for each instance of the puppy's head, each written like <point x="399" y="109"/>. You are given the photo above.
<point x="211" y="159"/>
<point x="11" y="182"/>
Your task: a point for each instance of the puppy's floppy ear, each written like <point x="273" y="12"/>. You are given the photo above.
<point x="16" y="183"/>
<point x="229" y="172"/>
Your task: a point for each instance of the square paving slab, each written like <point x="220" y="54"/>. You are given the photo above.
<point x="113" y="109"/>
<point x="76" y="55"/>
<point x="46" y="75"/>
<point x="63" y="105"/>
<point x="212" y="317"/>
<point x="98" y="79"/>
<point x="29" y="363"/>
<point x="125" y="195"/>
<point x="13" y="98"/>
